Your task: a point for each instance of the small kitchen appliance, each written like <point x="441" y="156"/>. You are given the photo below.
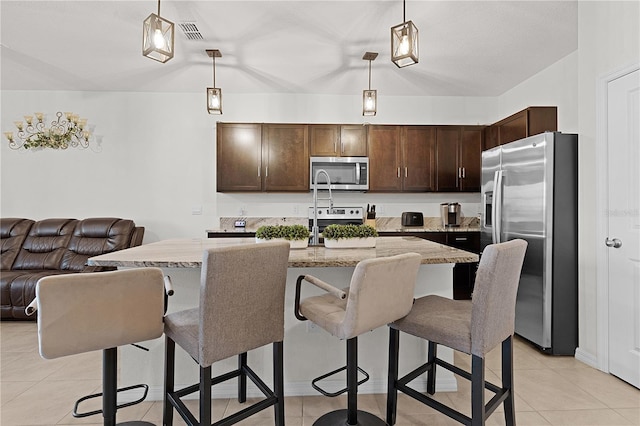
<point x="345" y="173"/>
<point x="412" y="219"/>
<point x="451" y="214"/>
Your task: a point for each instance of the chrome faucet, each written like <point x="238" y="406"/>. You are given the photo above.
<point x="315" y="240"/>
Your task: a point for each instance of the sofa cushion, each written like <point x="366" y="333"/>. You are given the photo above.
<point x="13" y="232"/>
<point x="45" y="245"/>
<point x="95" y="236"/>
<point x="18" y="289"/>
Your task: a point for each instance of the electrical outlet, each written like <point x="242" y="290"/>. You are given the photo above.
<point x="196" y="210"/>
<point x="296" y="209"/>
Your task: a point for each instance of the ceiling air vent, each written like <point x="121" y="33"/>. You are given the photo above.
<point x="191" y="31"/>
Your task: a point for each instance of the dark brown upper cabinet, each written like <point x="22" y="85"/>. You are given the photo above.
<point x="458" y="158"/>
<point x="253" y="157"/>
<point x="239" y="157"/>
<point x="401" y="158"/>
<point x="285" y="156"/>
<point x="335" y="140"/>
<point x="525" y="123"/>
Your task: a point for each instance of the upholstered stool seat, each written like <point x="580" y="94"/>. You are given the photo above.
<point x="474" y="327"/>
<point x="241" y="308"/>
<point x="381" y="291"/>
<point x="100" y="311"/>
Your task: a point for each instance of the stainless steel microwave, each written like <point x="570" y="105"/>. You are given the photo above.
<point x="346" y="173"/>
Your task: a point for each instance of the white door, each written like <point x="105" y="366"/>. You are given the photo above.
<point x="623" y="239"/>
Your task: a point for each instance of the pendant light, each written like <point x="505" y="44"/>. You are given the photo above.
<point x="157" y="37"/>
<point x="214" y="94"/>
<point x="369" y="97"/>
<point x="404" y="42"/>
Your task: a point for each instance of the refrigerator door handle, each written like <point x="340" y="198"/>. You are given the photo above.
<point x="497" y="206"/>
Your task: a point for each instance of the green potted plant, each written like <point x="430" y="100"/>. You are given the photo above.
<point x="349" y="236"/>
<point x="297" y="235"/>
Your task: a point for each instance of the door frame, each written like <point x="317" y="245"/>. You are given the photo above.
<point x="602" y="196"/>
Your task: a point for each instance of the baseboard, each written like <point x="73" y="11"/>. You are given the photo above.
<point x="587" y="358"/>
<point x="230" y="390"/>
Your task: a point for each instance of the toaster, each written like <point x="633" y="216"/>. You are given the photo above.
<point x="412" y="219"/>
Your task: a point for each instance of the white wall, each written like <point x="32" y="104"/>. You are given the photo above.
<point x="556" y="85"/>
<point x="157" y="156"/>
<point x="609" y="40"/>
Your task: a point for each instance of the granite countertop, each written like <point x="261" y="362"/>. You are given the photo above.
<point x="383" y="224"/>
<point x="187" y="253"/>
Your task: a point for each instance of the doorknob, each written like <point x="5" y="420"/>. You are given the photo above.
<point x="615" y="243"/>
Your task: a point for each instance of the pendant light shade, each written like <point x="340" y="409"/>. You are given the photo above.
<point x="369" y="97"/>
<point x="214" y="94"/>
<point x="369" y="102"/>
<point x="404" y="43"/>
<point x="157" y="37"/>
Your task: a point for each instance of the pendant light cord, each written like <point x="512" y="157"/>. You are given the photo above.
<point x="214" y="70"/>
<point x="404" y="10"/>
<point x="158" y="7"/>
<point x="369" y="74"/>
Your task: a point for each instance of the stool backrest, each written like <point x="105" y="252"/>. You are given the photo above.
<point x="84" y="312"/>
<point x="381" y="291"/>
<point x="494" y="295"/>
<point x="241" y="299"/>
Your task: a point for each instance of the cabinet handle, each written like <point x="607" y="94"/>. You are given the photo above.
<point x="266" y="171"/>
<point x="459" y="172"/>
<point x="398" y="172"/>
<point x="335" y="147"/>
<point x="463" y="173"/>
<point x="341" y="147"/>
<point x="461" y="238"/>
<point x="258" y="171"/>
<point x="406" y="172"/>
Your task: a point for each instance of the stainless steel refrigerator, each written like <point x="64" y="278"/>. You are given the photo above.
<point x="530" y="191"/>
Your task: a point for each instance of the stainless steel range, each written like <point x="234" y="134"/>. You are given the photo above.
<point x="337" y="215"/>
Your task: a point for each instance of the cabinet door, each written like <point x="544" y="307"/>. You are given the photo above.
<point x="490" y="137"/>
<point x="418" y="158"/>
<point x="238" y="162"/>
<point x="353" y="141"/>
<point x="542" y="119"/>
<point x="447" y="159"/>
<point x="469" y="241"/>
<point x="513" y="128"/>
<point x="324" y="140"/>
<point x="384" y="158"/>
<point x="285" y="153"/>
<point x="470" y="152"/>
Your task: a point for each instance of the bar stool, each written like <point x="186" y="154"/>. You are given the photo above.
<point x="241" y="308"/>
<point x="474" y="327"/>
<point x="99" y="311"/>
<point x="381" y="291"/>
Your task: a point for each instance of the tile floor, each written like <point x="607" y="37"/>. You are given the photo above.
<point x="549" y="391"/>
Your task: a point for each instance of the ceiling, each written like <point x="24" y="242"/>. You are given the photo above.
<point x="467" y="48"/>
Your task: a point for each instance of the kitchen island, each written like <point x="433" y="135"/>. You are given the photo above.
<point x="309" y="351"/>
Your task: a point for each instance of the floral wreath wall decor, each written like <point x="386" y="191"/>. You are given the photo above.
<point x="67" y="130"/>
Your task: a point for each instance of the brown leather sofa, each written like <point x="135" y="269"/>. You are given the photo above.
<point x="32" y="249"/>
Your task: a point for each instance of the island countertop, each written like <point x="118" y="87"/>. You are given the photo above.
<point x="187" y="253"/>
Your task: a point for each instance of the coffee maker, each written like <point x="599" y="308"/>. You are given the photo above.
<point x="451" y="214"/>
